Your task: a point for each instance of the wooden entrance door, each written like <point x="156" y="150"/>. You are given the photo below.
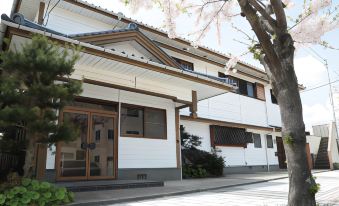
<point x="93" y="152"/>
<point x="281" y="153"/>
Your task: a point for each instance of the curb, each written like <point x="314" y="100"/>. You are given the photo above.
<point x="148" y="197"/>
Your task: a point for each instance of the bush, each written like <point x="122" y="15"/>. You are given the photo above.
<point x="33" y="192"/>
<point x="195" y="159"/>
<point x="189" y="171"/>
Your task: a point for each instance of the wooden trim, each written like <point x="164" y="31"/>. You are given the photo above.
<point x="177" y="137"/>
<point x="226" y="124"/>
<point x="130" y="89"/>
<point x="41" y="160"/>
<point x="231" y="145"/>
<point x="194" y="105"/>
<point x="17" y="7"/>
<point x="163" y="34"/>
<point x="126" y="60"/>
<point x="145" y="108"/>
<point x="135" y="35"/>
<point x="212" y="138"/>
<point x="79" y="109"/>
<point x="41" y="13"/>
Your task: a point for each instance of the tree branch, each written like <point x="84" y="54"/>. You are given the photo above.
<point x="263" y="13"/>
<point x="263" y="36"/>
<point x="280" y="14"/>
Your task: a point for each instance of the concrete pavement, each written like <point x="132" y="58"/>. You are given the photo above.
<point x="271" y="193"/>
<point x="196" y="188"/>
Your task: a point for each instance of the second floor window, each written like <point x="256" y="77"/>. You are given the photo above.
<point x="184" y="64"/>
<point x="246" y="88"/>
<point x="273" y="98"/>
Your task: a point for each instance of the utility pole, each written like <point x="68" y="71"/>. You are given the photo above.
<point x="331" y="92"/>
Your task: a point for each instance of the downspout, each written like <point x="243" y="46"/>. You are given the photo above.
<point x="266" y="115"/>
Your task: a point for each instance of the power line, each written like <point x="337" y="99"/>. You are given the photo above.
<point x="317" y="87"/>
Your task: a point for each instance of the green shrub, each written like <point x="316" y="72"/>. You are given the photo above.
<point x="33" y="192"/>
<point x="210" y="162"/>
<point x="336" y="166"/>
<point x="188" y="171"/>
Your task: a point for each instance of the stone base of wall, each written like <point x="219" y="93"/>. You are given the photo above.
<point x="158" y="174"/>
<point x="250" y="169"/>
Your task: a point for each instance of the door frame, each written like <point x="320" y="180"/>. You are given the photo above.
<point x="281" y="153"/>
<point x="89" y="112"/>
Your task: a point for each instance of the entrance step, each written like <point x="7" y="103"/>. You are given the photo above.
<point x="82" y="186"/>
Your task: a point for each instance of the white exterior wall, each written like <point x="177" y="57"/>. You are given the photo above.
<point x="67" y="22"/>
<point x="231" y="107"/>
<point x="137" y="152"/>
<point x="235" y="156"/>
<point x="201" y="130"/>
<point x="273" y="111"/>
<point x="314" y="142"/>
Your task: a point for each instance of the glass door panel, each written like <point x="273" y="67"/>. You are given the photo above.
<point x="101" y="146"/>
<point x="73" y="154"/>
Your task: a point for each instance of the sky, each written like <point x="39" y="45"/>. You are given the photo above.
<point x="310" y="68"/>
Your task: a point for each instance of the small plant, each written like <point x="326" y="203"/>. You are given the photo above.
<point x="315" y="187"/>
<point x="33" y="192"/>
<point x="288" y="139"/>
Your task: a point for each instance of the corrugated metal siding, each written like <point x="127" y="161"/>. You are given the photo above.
<point x="321" y="130"/>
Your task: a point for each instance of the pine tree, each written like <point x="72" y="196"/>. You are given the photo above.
<point x="31" y="96"/>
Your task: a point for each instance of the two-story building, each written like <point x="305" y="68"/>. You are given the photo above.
<point x="139" y="86"/>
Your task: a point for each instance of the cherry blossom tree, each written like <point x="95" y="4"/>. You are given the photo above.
<point x="277" y="36"/>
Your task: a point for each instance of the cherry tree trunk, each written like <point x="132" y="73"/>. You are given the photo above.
<point x="285" y="87"/>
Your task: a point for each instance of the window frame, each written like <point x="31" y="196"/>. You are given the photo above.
<point x="269" y="146"/>
<point x="273" y="98"/>
<point x="253" y="135"/>
<point x="144" y="108"/>
<point x="181" y="62"/>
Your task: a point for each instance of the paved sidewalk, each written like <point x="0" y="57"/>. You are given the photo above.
<point x="271" y="193"/>
<point x="172" y="188"/>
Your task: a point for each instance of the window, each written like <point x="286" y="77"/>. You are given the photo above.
<point x="256" y="140"/>
<point x="229" y="79"/>
<point x="132" y="120"/>
<point x="269" y="141"/>
<point x="110" y="134"/>
<point x="184" y="64"/>
<point x="250" y="89"/>
<point x="274" y="100"/>
<point x="137" y="121"/>
<point x="97" y="136"/>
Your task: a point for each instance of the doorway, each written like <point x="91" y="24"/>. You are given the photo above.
<point x="93" y="152"/>
<point x="281" y="153"/>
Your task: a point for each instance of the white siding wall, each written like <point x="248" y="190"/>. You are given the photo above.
<point x="236" y="156"/>
<point x="201" y="130"/>
<point x="68" y="22"/>
<point x="137" y="152"/>
<point x="273" y="111"/>
<point x="232" y="107"/>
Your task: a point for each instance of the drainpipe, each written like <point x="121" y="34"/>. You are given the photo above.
<point x="266" y="115"/>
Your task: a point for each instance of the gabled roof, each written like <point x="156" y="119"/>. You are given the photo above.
<point x="131" y="33"/>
